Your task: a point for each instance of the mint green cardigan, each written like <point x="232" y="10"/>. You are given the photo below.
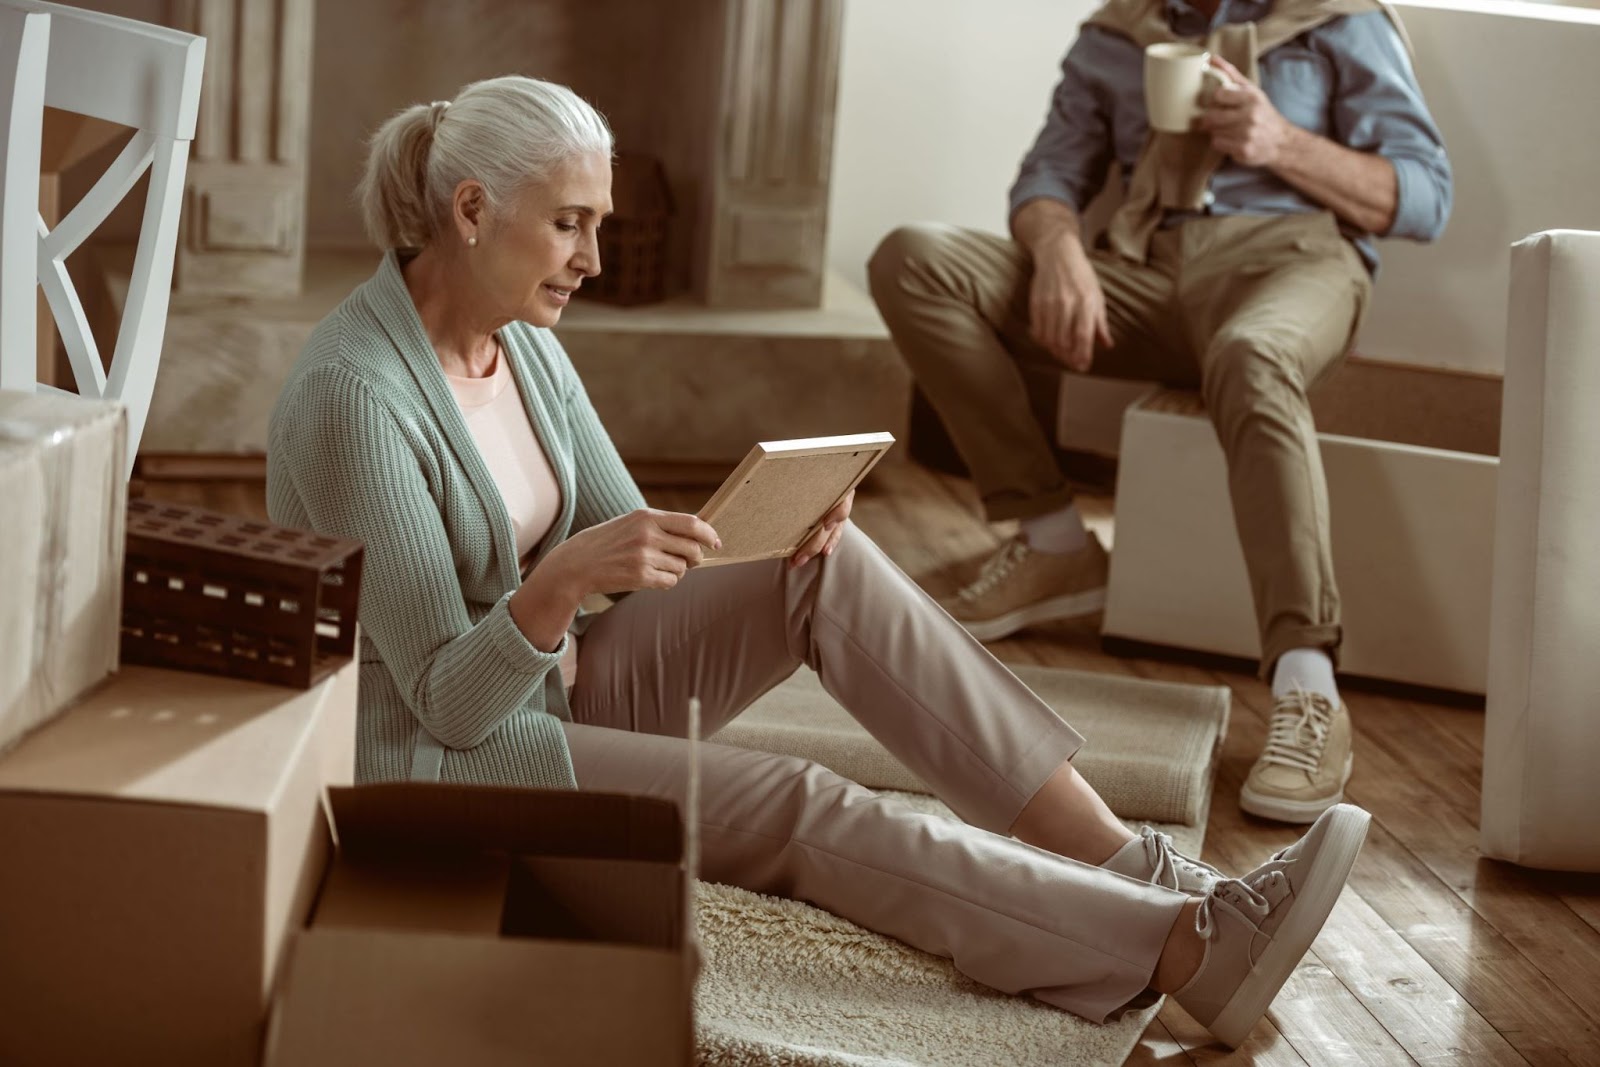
<point x="367" y="441"/>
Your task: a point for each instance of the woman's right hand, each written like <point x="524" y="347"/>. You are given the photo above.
<point x="644" y="549"/>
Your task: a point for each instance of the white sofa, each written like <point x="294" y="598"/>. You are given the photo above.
<point x="1541" y="788"/>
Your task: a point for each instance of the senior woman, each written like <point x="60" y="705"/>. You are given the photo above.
<point x="434" y="416"/>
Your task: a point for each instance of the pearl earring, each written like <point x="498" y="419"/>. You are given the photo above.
<point x="472" y="242"/>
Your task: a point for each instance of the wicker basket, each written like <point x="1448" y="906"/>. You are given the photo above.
<point x="204" y="591"/>
<point x="633" y="241"/>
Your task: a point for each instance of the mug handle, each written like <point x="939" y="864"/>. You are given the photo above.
<point x="1211" y="79"/>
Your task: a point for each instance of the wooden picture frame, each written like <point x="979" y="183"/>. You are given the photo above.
<point x="779" y="494"/>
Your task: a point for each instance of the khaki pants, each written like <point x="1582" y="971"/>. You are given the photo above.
<point x="1252" y="310"/>
<point x="1009" y="915"/>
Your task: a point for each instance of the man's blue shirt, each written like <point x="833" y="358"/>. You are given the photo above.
<point x="1349" y="80"/>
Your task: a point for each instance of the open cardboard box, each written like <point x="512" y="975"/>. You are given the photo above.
<point x="476" y="926"/>
<point x="1410" y="457"/>
<point x="160" y="842"/>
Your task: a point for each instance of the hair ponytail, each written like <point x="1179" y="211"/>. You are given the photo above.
<point x="504" y="132"/>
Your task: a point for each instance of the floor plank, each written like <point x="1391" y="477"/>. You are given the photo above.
<point x="1265" y="1047"/>
<point x="1158" y="1048"/>
<point x="1508" y="987"/>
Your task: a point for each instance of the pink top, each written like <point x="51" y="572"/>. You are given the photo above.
<point x="521" y="471"/>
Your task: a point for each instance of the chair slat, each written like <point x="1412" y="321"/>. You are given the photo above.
<point x="24" y="52"/>
<point x="83" y="354"/>
<point x="103" y="198"/>
<point x="144" y="321"/>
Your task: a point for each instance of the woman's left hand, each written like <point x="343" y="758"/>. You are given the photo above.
<point x="823" y="542"/>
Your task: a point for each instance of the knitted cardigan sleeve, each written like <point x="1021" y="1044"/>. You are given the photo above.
<point x="358" y="475"/>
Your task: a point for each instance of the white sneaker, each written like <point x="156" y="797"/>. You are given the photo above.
<point x="1303" y="769"/>
<point x="1258" y="927"/>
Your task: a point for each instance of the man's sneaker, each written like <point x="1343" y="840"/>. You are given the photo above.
<point x="1151" y="858"/>
<point x="1019" y="587"/>
<point x="1303" y="770"/>
<point x="1257" y="928"/>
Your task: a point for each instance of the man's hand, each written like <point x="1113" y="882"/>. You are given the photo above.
<point x="1066" y="308"/>
<point x="1242" y="121"/>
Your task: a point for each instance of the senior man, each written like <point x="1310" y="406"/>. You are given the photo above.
<point x="1239" y="262"/>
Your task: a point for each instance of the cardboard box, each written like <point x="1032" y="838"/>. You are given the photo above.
<point x="1411" y="468"/>
<point x="480" y="926"/>
<point x="64" y="493"/>
<point x="161" y="842"/>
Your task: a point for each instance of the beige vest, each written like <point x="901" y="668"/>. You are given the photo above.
<point x="1174" y="169"/>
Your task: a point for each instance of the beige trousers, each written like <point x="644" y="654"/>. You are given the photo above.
<point x="1012" y="916"/>
<point x="1252" y="310"/>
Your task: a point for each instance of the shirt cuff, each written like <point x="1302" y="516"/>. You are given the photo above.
<point x="1420" y="208"/>
<point x="1040" y="187"/>
<point x="514" y="645"/>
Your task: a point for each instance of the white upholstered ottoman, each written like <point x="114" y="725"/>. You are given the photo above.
<point x="1541" y="759"/>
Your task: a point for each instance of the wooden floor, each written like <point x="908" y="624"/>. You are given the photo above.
<point x="1433" y="956"/>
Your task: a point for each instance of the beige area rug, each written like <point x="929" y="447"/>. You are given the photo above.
<point x="788" y="985"/>
<point x="1150" y="745"/>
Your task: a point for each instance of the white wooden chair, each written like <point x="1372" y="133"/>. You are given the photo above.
<point x="131" y="73"/>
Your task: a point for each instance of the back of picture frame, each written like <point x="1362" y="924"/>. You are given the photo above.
<point x="780" y="493"/>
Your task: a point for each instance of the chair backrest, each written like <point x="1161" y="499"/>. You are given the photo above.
<point x="131" y="73"/>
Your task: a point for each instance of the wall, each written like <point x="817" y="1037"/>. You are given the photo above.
<point x="1512" y="87"/>
<point x="940" y="98"/>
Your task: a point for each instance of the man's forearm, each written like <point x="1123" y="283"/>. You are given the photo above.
<point x="1359" y="187"/>
<point x="1045" y="224"/>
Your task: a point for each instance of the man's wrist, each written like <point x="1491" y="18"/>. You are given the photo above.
<point x="1044" y="226"/>
<point x="1293" y="147"/>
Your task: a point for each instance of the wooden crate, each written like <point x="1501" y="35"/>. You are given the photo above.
<point x="222" y="594"/>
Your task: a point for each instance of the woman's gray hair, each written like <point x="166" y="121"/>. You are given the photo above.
<point x="505" y="132"/>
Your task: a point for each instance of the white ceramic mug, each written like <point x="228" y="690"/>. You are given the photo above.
<point x="1178" y="80"/>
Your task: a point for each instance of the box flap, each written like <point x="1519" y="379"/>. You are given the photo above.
<point x="178" y="737"/>
<point x="412" y="818"/>
<point x="466" y="895"/>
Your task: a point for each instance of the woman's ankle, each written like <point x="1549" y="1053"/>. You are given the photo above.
<point x="1183" y="953"/>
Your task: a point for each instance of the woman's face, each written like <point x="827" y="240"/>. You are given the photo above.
<point x="535" y="258"/>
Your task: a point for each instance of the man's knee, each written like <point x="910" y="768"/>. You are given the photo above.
<point x="1242" y="367"/>
<point x="910" y="248"/>
<point x="1249" y="379"/>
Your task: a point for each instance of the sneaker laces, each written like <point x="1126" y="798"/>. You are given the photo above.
<point x="1300" y="725"/>
<point x="1245" y="899"/>
<point x="996" y="569"/>
<point x="1165" y="860"/>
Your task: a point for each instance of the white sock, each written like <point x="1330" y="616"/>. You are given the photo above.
<point x="1310" y="669"/>
<point x="1057" y="533"/>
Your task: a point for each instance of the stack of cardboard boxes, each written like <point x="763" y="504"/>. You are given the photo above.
<point x="170" y="890"/>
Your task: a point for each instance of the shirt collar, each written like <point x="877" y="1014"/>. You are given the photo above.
<point x="1187" y="21"/>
